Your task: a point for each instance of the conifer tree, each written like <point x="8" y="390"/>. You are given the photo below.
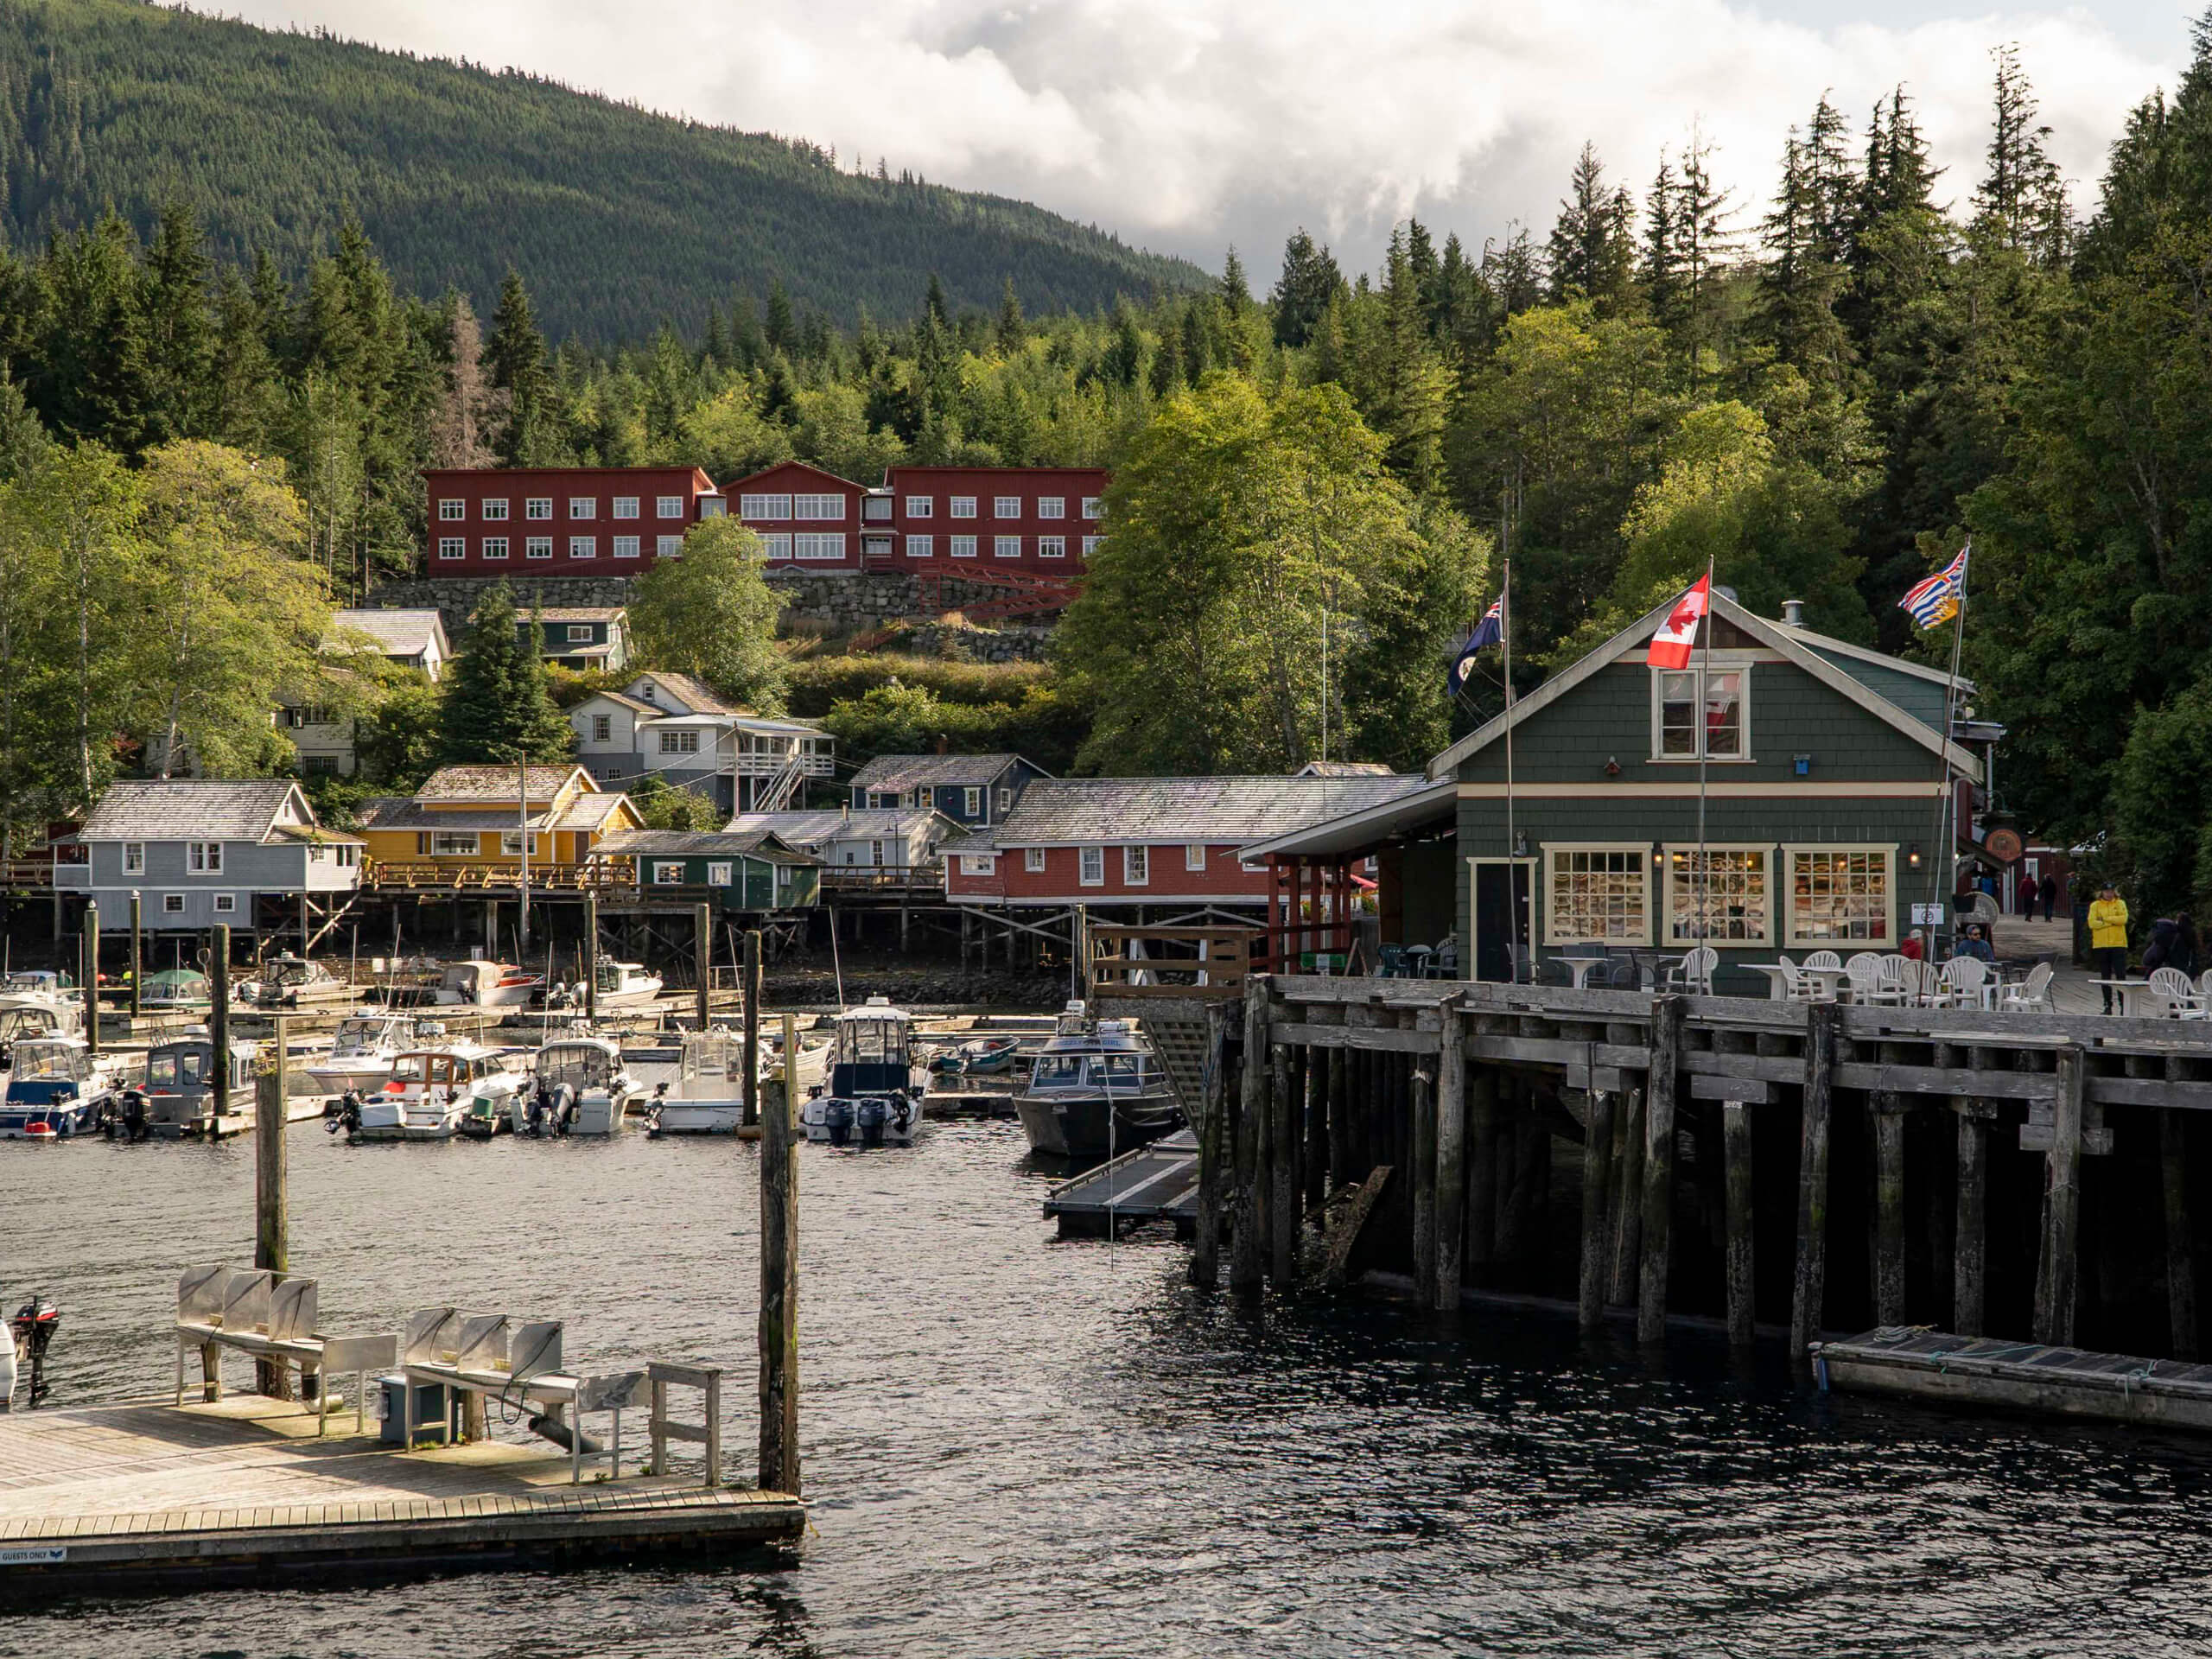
<point x="1235" y="290"/>
<point x="498" y="709"/>
<point x="2020" y="205"/>
<point x="1309" y="280"/>
<point x="1012" y="329"/>
<point x="1591" y="254"/>
<point x="516" y="356"/>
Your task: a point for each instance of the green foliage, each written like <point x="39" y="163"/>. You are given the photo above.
<point x="711" y="615"/>
<point x="399" y="743"/>
<point x="498" y="708"/>
<point x="906" y="705"/>
<point x="663" y="806"/>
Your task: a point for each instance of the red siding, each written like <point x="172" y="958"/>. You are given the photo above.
<point x="1027" y="485"/>
<point x="458" y="545"/>
<point x="790" y="480"/>
<point x="1060" y="882"/>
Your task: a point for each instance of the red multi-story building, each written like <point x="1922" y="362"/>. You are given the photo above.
<point x="806" y="517"/>
<point x="1045" y="519"/>
<point x="566" y="521"/>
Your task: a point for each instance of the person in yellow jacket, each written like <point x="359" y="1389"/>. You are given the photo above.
<point x="2108" y="936"/>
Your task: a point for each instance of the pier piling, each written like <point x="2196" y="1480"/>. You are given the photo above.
<point x="1659" y="1167"/>
<point x="137" y="954"/>
<point x="590" y="955"/>
<point x="1736" y="1139"/>
<point x="1424" y="1112"/>
<point x="272" y="1241"/>
<point x="1282" y="1164"/>
<point x="702" y="960"/>
<point x="1970" y="1237"/>
<point x="779" y="1467"/>
<point x="1597" y="1198"/>
<point x="2181" y="1262"/>
<point x="1482" y="1168"/>
<point x="1809" y="1288"/>
<point x="1451" y="1155"/>
<point x="1889" y="1210"/>
<point x="2062" y="1210"/>
<point x="1628" y="1204"/>
<point x="1245" y="1250"/>
<point x="88" y="969"/>
<point x="751" y="1089"/>
<point x="1206" y="1251"/>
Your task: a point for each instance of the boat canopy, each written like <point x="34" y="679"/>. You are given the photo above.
<point x="875" y="1033"/>
<point x="581" y="1063"/>
<point x="64" y="1058"/>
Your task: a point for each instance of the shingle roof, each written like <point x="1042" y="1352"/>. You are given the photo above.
<point x="196" y="809"/>
<point x="588" y="811"/>
<point x="1060" y="812"/>
<point x="700" y="844"/>
<point x="1344" y="769"/>
<point x="397" y="633"/>
<point x="491" y="782"/>
<point x="575" y="613"/>
<point x="904" y="771"/>
<point x="800" y="829"/>
<point x="694" y="694"/>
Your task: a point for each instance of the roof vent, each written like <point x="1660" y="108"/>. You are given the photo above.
<point x="1793" y="613"/>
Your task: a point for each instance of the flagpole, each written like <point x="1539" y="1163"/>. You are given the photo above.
<point x="1704" y="744"/>
<point x="1947" y="804"/>
<point x="1512" y="869"/>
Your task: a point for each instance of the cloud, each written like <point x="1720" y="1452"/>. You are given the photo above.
<point x="1190" y="124"/>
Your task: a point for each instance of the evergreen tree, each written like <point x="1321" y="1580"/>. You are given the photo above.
<point x="499" y="708"/>
<point x="2020" y="205"/>
<point x="516" y="357"/>
<point x="780" y="329"/>
<point x="1591" y="254"/>
<point x="1235" y="290"/>
<point x="1310" y="278"/>
<point x="177" y="329"/>
<point x="1012" y="329"/>
<point x="1804" y="269"/>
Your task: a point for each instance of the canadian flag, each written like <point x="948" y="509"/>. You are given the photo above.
<point x="1671" y="646"/>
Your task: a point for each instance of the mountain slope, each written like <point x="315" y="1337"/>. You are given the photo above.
<point x="616" y="218"/>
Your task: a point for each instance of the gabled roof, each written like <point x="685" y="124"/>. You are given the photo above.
<point x="1062" y="811"/>
<point x="397" y="633"/>
<point x="701" y="843"/>
<point x="904" y="772"/>
<point x="1342" y="769"/>
<point x="810" y="828"/>
<point x="197" y="808"/>
<point x="1789" y="642"/>
<point x="636" y="705"/>
<point x="498" y="783"/>
<point x="576" y="614"/>
<point x="736" y="483"/>
<point x="696" y="696"/>
<point x="588" y="811"/>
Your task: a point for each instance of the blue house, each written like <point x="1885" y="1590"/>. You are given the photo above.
<point x="973" y="790"/>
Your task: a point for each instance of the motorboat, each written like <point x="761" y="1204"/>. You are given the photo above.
<point x="707" y="1094"/>
<point x="873" y="1097"/>
<point x="176" y="990"/>
<point x="626" y="985"/>
<point x="1095" y="1092"/>
<point x="813" y="1057"/>
<point x="431" y="1091"/>
<point x="57" y="1088"/>
<point x="477" y="984"/>
<point x="582" y="1088"/>
<point x="289" y="981"/>
<point x="985" y="1056"/>
<point x="20" y="1021"/>
<point x="35" y="988"/>
<point x="362" y="1050"/>
<point x="179" y="1096"/>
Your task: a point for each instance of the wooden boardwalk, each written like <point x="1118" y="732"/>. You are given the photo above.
<point x="149" y="1495"/>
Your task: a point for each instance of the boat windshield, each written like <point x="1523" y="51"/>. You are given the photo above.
<point x="170" y="1068"/>
<point x="579" y="1065"/>
<point x="1058" y="1071"/>
<point x="1120" y="1070"/>
<point x="408" y="1068"/>
<point x="64" y="1060"/>
<point x="874" y="1042"/>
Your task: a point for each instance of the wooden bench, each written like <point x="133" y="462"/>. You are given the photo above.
<point x="490" y="1354"/>
<point x="273" y="1319"/>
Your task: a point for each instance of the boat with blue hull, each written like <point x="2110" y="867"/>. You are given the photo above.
<point x="57" y="1088"/>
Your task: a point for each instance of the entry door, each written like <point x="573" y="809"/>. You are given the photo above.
<point x="1501" y="920"/>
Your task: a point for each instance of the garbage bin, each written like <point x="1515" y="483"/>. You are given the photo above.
<point x="432" y="1411"/>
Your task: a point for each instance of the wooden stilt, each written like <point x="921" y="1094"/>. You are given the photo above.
<point x="2062" y="1207"/>
<point x="1628" y="1205"/>
<point x="1340" y="1168"/>
<point x="702" y="953"/>
<point x="1205" y="1253"/>
<point x="1970" y="1240"/>
<point x="749" y="1085"/>
<point x="272" y="1241"/>
<point x="1313" y="1170"/>
<point x="1810" y="1286"/>
<point x="1482" y="1168"/>
<point x="1424" y="1126"/>
<point x="1283" y="1210"/>
<point x="1888" y="1211"/>
<point x="2181" y="1259"/>
<point x="1451" y="1155"/>
<point x="1736" y="1151"/>
<point x="778" y="1317"/>
<point x="1659" y="1167"/>
<point x="1596" y="1203"/>
<point x="1246" y="1251"/>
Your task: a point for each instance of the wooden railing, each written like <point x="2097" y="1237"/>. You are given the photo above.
<point x="1162" y="962"/>
<point x="872" y="878"/>
<point x="458" y="877"/>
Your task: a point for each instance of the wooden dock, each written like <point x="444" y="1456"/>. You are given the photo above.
<point x="151" y="1496"/>
<point x="1158" y="1182"/>
<point x="1950" y="1369"/>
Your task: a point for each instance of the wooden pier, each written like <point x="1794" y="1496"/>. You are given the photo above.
<point x="1806" y="1166"/>
<point x="145" y="1495"/>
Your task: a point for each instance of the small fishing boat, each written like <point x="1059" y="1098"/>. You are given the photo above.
<point x="626" y="985"/>
<point x="813" y="1057"/>
<point x="181" y="1099"/>
<point x="477" y="984"/>
<point x="361" y="1052"/>
<point x="431" y="1091"/>
<point x="289" y="981"/>
<point x="176" y="990"/>
<point x="985" y="1057"/>
<point x="1095" y="1092"/>
<point x="707" y="1094"/>
<point x="56" y="1090"/>
<point x="582" y="1088"/>
<point x="874" y="1093"/>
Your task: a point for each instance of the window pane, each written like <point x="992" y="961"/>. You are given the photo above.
<point x="1724" y="714"/>
<point x="1721" y="902"/>
<point x="1678" y="714"/>
<point x="1597" y="895"/>
<point x="1840" y="896"/>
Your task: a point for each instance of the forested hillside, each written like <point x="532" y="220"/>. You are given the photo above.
<point x="619" y="217"/>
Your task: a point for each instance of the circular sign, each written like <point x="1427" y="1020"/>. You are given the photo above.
<point x="2003" y="843"/>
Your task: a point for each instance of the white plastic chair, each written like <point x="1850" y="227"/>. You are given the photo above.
<point x="2178" y="989"/>
<point x="2033" y="992"/>
<point x="1824" y="959"/>
<point x="1693" y="973"/>
<point x="1961" y="981"/>
<point x="1900" y="979"/>
<point x="1867" y="980"/>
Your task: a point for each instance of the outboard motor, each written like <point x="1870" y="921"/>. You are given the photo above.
<point x="348" y="1115"/>
<point x="902" y="1114"/>
<point x="565" y="1114"/>
<point x="32" y="1328"/>
<point x="837" y="1118"/>
<point x="134" y="1116"/>
<point x="541" y="1111"/>
<point x="870" y="1116"/>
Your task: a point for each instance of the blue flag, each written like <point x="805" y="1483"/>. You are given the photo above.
<point x="1488" y="631"/>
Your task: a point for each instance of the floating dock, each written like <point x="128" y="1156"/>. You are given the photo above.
<point x="1935" y="1365"/>
<point x="148" y="1496"/>
<point x="1158" y="1182"/>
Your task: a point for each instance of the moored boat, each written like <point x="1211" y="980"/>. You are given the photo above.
<point x="181" y="1097"/>
<point x="477" y="984"/>
<point x="873" y="1097"/>
<point x="34" y="989"/>
<point x="176" y="990"/>
<point x="56" y="1089"/>
<point x="1095" y="1092"/>
<point x="430" y="1092"/>
<point x="361" y="1052"/>
<point x="707" y="1094"/>
<point x="582" y="1088"/>
<point x="289" y="981"/>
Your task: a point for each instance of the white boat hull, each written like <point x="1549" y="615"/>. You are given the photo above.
<point x="867" y="1121"/>
<point x="698" y="1116"/>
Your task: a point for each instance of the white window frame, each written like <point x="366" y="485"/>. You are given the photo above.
<point x="971" y="800"/>
<point x="453" y="547"/>
<point x="1554" y="934"/>
<point x="510" y="843"/>
<point x="1794" y="937"/>
<point x="446" y="843"/>
<point x="1136" y="865"/>
<point x="134" y="858"/>
<point x="668" y="872"/>
<point x="203" y="858"/>
<point x="579" y="632"/>
<point x="775" y="544"/>
<point x="172" y="904"/>
<point x="452" y="509"/>
<point x="1091" y="545"/>
<point x="1052" y="506"/>
<point x="668" y="506"/>
<point x="626" y="507"/>
<point x="583" y="547"/>
<point x="669" y="547"/>
<point x="818" y="546"/>
<point x="626" y="546"/>
<point x="1091" y="867"/>
<point x="602" y="728"/>
<point x="921" y="547"/>
<point x="226" y="904"/>
<point x="719" y="873"/>
<point x="537" y="506"/>
<point x="1722" y="664"/>
<point x="495" y="547"/>
<point x="963" y="506"/>
<point x="921" y="506"/>
<point x="961" y="547"/>
<point x="537" y="547"/>
<point x="819" y="509"/>
<point x="1006" y="800"/>
<point x="1006" y="546"/>
<point x="710" y="506"/>
<point x="1091" y="506"/>
<point x="685" y="741"/>
<point x="1052" y="547"/>
<point x="777" y="509"/>
<point x="1672" y="937"/>
<point x="1194" y="855"/>
<point x="979" y="863"/>
<point x="1033" y="859"/>
<point x="494" y="509"/>
<point x="1006" y="507"/>
<point x="583" y="506"/>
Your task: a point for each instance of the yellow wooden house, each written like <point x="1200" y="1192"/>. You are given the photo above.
<point x="466" y="816"/>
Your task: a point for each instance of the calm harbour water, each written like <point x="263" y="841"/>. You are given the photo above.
<point x="1016" y="1445"/>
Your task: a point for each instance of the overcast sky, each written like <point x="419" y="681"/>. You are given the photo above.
<point x="1189" y="125"/>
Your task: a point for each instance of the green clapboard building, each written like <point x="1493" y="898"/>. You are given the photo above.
<point x="1574" y="818"/>
<point x="749" y="870"/>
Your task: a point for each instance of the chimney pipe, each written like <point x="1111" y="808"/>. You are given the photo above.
<point x="1793" y="613"/>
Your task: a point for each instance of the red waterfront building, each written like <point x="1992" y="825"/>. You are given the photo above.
<point x="572" y="521"/>
<point x="806" y="517"/>
<point x="1041" y="520"/>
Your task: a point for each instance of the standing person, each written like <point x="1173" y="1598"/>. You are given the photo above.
<point x="2108" y="936"/>
<point x="2048" y="891"/>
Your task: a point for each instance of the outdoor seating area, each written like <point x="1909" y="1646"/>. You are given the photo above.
<point x="1900" y="981"/>
<point x="1595" y="967"/>
<point x="2168" y="993"/>
<point x="1439" y="961"/>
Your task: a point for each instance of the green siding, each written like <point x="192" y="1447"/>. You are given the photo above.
<point x="754" y="887"/>
<point x="1922" y="698"/>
